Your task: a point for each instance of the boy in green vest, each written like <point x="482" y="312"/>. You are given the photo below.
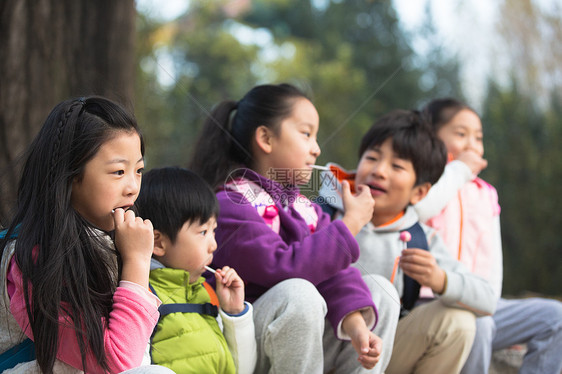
<point x="189" y="337"/>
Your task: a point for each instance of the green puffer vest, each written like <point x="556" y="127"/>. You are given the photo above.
<point x="187" y="342"/>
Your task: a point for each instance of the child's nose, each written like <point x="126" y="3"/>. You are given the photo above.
<point x="133" y="186"/>
<point x="213" y="245"/>
<point x="474" y="145"/>
<point x="316" y="149"/>
<point x="379" y="169"/>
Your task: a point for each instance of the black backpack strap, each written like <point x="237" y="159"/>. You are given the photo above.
<point x="165" y="309"/>
<point x="152" y="289"/>
<point x="206" y="308"/>
<point x="411" y="287"/>
<point x="326" y="208"/>
<point x="23" y="352"/>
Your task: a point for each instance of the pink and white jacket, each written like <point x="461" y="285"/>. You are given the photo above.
<point x="468" y="222"/>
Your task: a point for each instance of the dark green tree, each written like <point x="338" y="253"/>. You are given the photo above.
<point x="523" y="149"/>
<point x="208" y="65"/>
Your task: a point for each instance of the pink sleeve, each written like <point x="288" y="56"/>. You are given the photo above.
<point x="134" y="315"/>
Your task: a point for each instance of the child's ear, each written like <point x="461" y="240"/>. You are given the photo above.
<point x="419" y="192"/>
<point x="263" y="137"/>
<point x="160" y="243"/>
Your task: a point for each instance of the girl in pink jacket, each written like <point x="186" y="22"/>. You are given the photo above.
<point x="464" y="210"/>
<point x="75" y="258"/>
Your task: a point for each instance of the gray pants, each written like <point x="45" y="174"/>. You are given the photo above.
<point x="293" y="336"/>
<point x="536" y="322"/>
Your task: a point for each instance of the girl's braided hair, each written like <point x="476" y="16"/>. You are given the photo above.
<point x="70" y="270"/>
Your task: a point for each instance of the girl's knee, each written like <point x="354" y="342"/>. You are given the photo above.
<point x="301" y="298"/>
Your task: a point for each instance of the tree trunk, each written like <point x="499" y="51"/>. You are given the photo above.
<point x="51" y="50"/>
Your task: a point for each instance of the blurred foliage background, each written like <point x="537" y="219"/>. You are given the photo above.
<point x="357" y="63"/>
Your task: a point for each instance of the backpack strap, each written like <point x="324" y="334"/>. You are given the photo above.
<point x="411" y="291"/>
<point x="165" y="309"/>
<point x="207" y="308"/>
<point x="327" y="208"/>
<point x="23" y="352"/>
<point x="13" y="235"/>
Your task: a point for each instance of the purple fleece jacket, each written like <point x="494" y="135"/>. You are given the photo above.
<point x="264" y="258"/>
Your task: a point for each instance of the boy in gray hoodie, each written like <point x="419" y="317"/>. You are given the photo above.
<point x="400" y="158"/>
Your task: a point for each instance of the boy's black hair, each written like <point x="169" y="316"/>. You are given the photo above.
<point x="171" y="196"/>
<point x="412" y="140"/>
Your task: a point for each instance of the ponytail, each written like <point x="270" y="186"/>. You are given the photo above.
<point x="225" y="143"/>
<point x="211" y="157"/>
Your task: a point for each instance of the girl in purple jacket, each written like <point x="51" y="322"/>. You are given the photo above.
<point x="255" y="152"/>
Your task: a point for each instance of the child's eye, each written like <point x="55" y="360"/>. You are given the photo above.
<point x="397" y="166"/>
<point x="307" y="134"/>
<point x="460" y="134"/>
<point x="204" y="232"/>
<point x="119" y="172"/>
<point x="140" y="171"/>
<point x="371" y="158"/>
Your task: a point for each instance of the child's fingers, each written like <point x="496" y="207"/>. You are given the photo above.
<point x="368" y="362"/>
<point x="376" y="345"/>
<point x="118" y="216"/>
<point x="364" y="192"/>
<point x="130" y="216"/>
<point x="345" y="188"/>
<point x="361" y="189"/>
<point x="372" y="353"/>
<point x="228" y="275"/>
<point x="416" y="258"/>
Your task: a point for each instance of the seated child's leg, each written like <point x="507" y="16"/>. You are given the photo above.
<point x="341" y="356"/>
<point x="432" y="339"/>
<point x="289" y="323"/>
<point x="536" y="322"/>
<point x="480" y="356"/>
